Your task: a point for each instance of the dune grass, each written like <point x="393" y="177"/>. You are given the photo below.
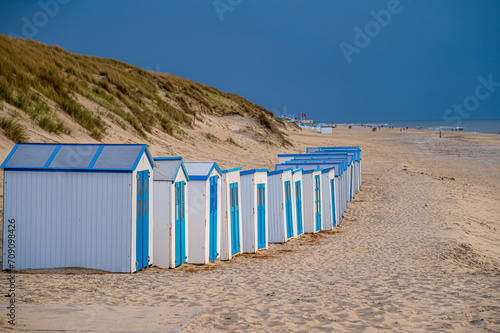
<point x="31" y="72"/>
<point x="13" y="130"/>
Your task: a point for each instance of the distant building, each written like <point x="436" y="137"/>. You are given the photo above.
<point x="307" y="121"/>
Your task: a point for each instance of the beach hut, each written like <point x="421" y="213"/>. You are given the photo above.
<point x="254" y="208"/>
<point x="204" y="211"/>
<point x="357" y="165"/>
<point x="281" y="226"/>
<point x="231" y="214"/>
<point x="170" y="213"/>
<point x="78" y="205"/>
<point x="311" y="180"/>
<point x="326" y="130"/>
<point x="335" y="176"/>
<point x="297" y="203"/>
<point x="330" y="199"/>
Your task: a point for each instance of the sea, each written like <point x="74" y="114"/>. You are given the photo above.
<point x="474" y="126"/>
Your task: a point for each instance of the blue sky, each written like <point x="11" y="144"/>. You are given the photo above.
<point x="334" y="60"/>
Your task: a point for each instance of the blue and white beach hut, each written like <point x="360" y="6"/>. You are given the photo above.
<point x="357" y="165"/>
<point x="311" y="180"/>
<point x="297" y="203"/>
<point x="78" y="205"/>
<point x="330" y="204"/>
<point x="231" y="214"/>
<point x="254" y="209"/>
<point x="170" y="213"/>
<point x="281" y="224"/>
<point x="334" y="182"/>
<point x="204" y="211"/>
<point x="329" y="197"/>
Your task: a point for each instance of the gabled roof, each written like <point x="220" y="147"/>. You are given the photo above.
<point x="79" y="157"/>
<point x="167" y="168"/>
<point x="201" y="170"/>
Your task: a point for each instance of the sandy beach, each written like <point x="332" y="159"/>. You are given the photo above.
<point x="418" y="250"/>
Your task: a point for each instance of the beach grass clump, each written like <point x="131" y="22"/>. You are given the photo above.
<point x="212" y="137"/>
<point x="13" y="130"/>
<point x="230" y="140"/>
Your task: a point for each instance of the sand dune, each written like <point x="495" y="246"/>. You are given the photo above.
<point x="418" y="250"/>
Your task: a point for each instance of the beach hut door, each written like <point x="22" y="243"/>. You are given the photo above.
<point x="332" y="188"/>
<point x="213" y="218"/>
<point x="235" y="219"/>
<point x="180" y="224"/>
<point x="261" y="216"/>
<point x="288" y="210"/>
<point x="142" y="228"/>
<point x="317" y="191"/>
<point x="298" y="203"/>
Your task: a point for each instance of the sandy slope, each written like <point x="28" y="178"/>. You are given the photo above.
<point x="419" y="248"/>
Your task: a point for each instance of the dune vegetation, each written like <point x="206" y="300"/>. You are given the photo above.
<point x="42" y="80"/>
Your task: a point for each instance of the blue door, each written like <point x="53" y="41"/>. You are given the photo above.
<point x="235" y="219"/>
<point x="332" y="187"/>
<point x="142" y="223"/>
<point x="298" y="205"/>
<point x="317" y="201"/>
<point x="261" y="216"/>
<point x="212" y="254"/>
<point x="288" y="210"/>
<point x="180" y="224"/>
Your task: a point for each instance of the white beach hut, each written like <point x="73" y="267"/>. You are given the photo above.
<point x="231" y="214"/>
<point x="330" y="205"/>
<point x="311" y="180"/>
<point x="170" y="213"/>
<point x="281" y="224"/>
<point x="78" y="205"/>
<point x="297" y="203"/>
<point x="204" y="211"/>
<point x="254" y="208"/>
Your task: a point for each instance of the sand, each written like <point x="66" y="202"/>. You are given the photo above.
<point x="418" y="250"/>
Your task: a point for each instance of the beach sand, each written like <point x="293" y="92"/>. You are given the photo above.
<point x="418" y="250"/>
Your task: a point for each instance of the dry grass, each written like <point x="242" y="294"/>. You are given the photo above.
<point x="31" y="72"/>
<point x="13" y="130"/>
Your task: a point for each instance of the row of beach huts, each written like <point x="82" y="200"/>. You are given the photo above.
<point x="119" y="209"/>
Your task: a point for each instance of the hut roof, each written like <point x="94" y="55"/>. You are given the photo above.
<point x="80" y="157"/>
<point x="167" y="168"/>
<point x="248" y="172"/>
<point x="201" y="170"/>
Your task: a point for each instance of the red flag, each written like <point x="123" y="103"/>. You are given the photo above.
<point x="303" y="114"/>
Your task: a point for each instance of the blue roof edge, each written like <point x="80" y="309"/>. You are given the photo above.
<point x="168" y="158"/>
<point x="297" y="170"/>
<point x="148" y="154"/>
<point x="88" y="168"/>
<point x="9" y="156"/>
<point x="311" y="171"/>
<point x="276" y="172"/>
<point x="248" y="172"/>
<point x="231" y="170"/>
